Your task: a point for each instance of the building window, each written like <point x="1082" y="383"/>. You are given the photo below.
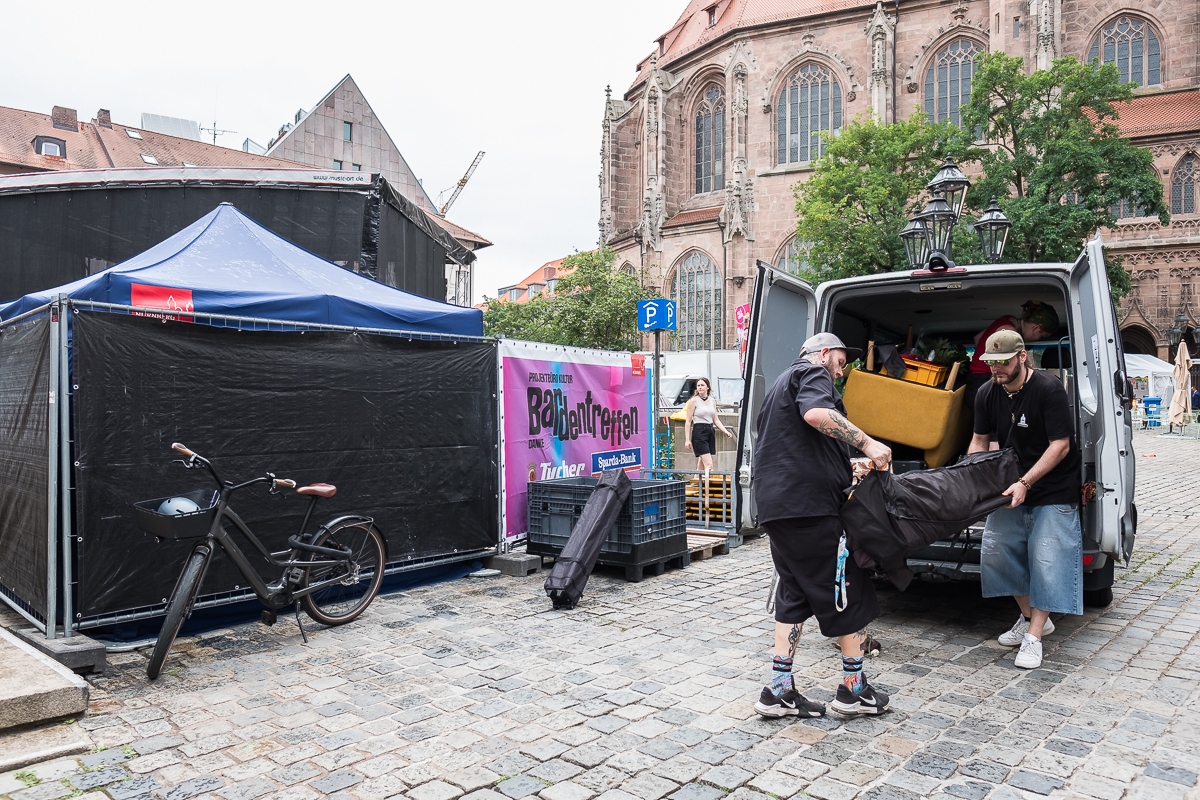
<point x="794" y="257"/>
<point x="132" y="134"/>
<point x="1183" y="186"/>
<point x="1132" y="46"/>
<point x="810" y="103"/>
<point x="948" y="81"/>
<point x="550" y="283"/>
<point x="337" y="164"/>
<point x="712" y="17"/>
<point x="50" y="149"/>
<point x="346" y="130"/>
<point x="696" y="289"/>
<point x="149" y="159"/>
<point x="1016" y="27"/>
<point x="356" y="167"/>
<point x="710" y="141"/>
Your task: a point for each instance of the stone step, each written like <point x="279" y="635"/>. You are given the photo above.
<point x="20" y="747"/>
<point x="34" y="687"/>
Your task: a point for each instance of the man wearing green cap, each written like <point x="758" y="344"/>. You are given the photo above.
<point x="1032" y="548"/>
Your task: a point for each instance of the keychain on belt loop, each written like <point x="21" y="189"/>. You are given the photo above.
<point x="840" y="595"/>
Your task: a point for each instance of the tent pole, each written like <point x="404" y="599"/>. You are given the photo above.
<point x="52" y="478"/>
<point x="64" y="419"/>
<point x="502" y="542"/>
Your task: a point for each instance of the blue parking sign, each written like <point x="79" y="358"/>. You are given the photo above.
<point x="656" y="315"/>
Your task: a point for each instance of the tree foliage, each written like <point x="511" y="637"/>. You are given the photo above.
<point x="593" y="305"/>
<point x="863" y="190"/>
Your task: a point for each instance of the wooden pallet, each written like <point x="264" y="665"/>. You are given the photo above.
<point x="705" y="547"/>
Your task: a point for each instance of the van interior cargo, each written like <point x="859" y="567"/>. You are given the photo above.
<point x="922" y="415"/>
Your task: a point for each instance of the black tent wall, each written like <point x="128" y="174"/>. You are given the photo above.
<point x="24" y="461"/>
<point x="405" y="428"/>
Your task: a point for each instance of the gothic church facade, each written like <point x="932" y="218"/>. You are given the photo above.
<point x="700" y="155"/>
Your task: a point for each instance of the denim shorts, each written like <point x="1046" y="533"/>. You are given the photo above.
<point x="1035" y="551"/>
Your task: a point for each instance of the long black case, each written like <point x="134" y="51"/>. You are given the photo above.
<point x="575" y="563"/>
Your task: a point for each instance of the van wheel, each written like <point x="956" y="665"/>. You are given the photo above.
<point x="1098" y="598"/>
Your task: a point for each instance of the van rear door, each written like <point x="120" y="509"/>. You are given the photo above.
<point x="1105" y="427"/>
<point x="782" y="316"/>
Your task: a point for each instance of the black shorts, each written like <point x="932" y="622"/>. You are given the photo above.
<point x="804" y="550"/>
<point x="704" y="439"/>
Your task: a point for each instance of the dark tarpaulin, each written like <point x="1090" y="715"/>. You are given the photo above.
<point x="24" y="460"/>
<point x="406" y="429"/>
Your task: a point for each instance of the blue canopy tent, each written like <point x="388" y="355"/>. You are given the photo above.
<point x="226" y="263"/>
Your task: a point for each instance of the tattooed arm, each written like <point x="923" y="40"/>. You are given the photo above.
<point x="831" y="423"/>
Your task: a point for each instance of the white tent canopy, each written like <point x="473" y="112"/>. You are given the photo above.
<point x="1159" y="374"/>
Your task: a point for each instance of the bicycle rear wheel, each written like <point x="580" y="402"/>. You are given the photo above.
<point x="178" y="608"/>
<point x="344" y="600"/>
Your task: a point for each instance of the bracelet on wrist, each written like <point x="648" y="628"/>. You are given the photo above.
<point x="1025" y="483"/>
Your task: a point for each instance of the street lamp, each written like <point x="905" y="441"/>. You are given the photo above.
<point x="915" y="245"/>
<point x="1175" y="332"/>
<point x="938" y="219"/>
<point x="952" y="184"/>
<point x="993" y="228"/>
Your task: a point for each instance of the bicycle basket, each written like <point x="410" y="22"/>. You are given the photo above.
<point x="177" y="526"/>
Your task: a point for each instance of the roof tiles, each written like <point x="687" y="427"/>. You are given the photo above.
<point x="1154" y="114"/>
<point x="693" y="217"/>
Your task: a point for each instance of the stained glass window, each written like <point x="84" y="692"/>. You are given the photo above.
<point x="1130" y="44"/>
<point x="794" y="257"/>
<point x="809" y="103"/>
<point x="948" y="81"/>
<point x="710" y="141"/>
<point x="1183" y="186"/>
<point x="696" y="289"/>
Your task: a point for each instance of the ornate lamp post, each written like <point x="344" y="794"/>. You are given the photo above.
<point x="1175" y="333"/>
<point x="993" y="229"/>
<point x="938" y="219"/>
<point x="915" y="245"/>
<point x="952" y="184"/>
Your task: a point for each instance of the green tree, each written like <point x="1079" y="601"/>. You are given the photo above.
<point x="593" y="305"/>
<point x="863" y="190"/>
<point x="1056" y="158"/>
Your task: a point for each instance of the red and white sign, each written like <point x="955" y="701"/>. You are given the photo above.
<point x="639" y="366"/>
<point x="163" y="298"/>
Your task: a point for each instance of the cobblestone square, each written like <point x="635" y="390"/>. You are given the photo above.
<point x="477" y="689"/>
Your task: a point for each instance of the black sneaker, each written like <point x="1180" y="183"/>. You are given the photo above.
<point x="868" y="701"/>
<point x="792" y="704"/>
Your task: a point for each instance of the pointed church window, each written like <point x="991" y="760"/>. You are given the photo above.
<point x="1130" y="44"/>
<point x="1183" y="185"/>
<point x="696" y="290"/>
<point x="710" y="141"/>
<point x="809" y="105"/>
<point x="948" y="81"/>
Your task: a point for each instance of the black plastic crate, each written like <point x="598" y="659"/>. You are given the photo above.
<point x="658" y="554"/>
<point x="654" y="510"/>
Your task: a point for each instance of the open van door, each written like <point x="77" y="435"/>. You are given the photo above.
<point x="782" y="316"/>
<point x="1105" y="424"/>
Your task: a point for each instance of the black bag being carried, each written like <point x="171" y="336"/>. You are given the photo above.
<point x="889" y="517"/>
<point x="574" y="565"/>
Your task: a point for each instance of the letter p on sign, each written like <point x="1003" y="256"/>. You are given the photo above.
<point x="656" y="315"/>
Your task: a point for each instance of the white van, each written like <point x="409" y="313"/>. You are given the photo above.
<point x="957" y="304"/>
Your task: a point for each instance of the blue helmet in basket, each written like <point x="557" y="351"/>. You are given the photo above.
<point x="173" y="506"/>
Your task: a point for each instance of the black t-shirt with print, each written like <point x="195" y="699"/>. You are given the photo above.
<point x="799" y="471"/>
<point x="1027" y="422"/>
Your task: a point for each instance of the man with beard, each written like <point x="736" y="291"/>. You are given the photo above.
<point x="1032" y="548"/>
<point x="801" y="471"/>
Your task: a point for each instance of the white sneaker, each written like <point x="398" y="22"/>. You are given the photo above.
<point x="1030" y="655"/>
<point x="1015" y="635"/>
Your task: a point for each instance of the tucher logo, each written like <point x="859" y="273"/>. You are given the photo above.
<point x="549" y="470"/>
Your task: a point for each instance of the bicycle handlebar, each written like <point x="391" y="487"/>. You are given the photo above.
<point x="181" y="449"/>
<point x="284" y="483"/>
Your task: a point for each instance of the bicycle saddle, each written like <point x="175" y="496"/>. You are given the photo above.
<point x="325" y="490"/>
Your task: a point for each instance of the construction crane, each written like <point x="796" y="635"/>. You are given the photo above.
<point x="458" y="189"/>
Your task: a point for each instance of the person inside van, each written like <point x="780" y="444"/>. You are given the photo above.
<point x="701" y="417"/>
<point x="1039" y="321"/>
<point x="1033" y="548"/>
<point x="802" y="468"/>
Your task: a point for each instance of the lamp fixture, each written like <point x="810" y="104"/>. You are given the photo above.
<point x="938" y="220"/>
<point x="952" y="184"/>
<point x="993" y="229"/>
<point x="916" y="247"/>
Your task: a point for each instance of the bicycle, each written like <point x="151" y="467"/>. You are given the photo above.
<point x="334" y="572"/>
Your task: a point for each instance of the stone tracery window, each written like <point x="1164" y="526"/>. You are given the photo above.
<point x="1132" y="45"/>
<point x="809" y="103"/>
<point x="710" y="141"/>
<point x="696" y="289"/>
<point x="794" y="258"/>
<point x="1183" y="185"/>
<point x="948" y="81"/>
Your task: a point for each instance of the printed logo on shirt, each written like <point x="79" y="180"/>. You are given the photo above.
<point x="1022" y="424"/>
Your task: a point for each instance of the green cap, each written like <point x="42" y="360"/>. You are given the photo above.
<point x="1002" y="345"/>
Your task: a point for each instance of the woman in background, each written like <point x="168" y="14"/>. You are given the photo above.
<point x="701" y="416"/>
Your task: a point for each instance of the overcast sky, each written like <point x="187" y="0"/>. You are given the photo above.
<point x="522" y="80"/>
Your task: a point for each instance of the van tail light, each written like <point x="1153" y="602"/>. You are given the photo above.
<point x="1087" y="560"/>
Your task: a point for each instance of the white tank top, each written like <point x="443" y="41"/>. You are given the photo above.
<point x="703" y="412"/>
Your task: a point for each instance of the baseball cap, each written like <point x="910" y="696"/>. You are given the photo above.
<point x="815" y="344"/>
<point x="1002" y="345"/>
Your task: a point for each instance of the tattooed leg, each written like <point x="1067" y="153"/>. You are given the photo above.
<point x="787" y="637"/>
<point x="854" y="645"/>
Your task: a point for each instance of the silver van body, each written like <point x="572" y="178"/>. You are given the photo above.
<point x="786" y="311"/>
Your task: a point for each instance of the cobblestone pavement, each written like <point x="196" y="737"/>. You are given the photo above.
<point x="477" y="689"/>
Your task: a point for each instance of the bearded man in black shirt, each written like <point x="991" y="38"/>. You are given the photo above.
<point x="801" y="471"/>
<point x="1032" y="548"/>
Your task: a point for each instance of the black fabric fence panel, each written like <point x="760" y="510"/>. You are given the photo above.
<point x="406" y="429"/>
<point x="24" y="461"/>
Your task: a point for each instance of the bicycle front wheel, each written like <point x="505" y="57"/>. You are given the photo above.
<point x="178" y="608"/>
<point x="343" y="600"/>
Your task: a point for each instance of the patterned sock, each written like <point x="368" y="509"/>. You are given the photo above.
<point x="781" y="676"/>
<point x="852" y="677"/>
